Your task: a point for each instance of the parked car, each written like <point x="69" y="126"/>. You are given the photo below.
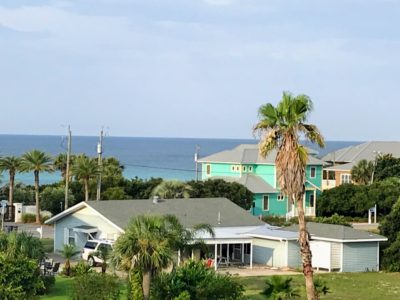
<point x="93" y="246"/>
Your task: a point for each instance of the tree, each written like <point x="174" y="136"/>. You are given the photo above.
<point x="114" y="193"/>
<point x="60" y="164"/>
<point x="281" y="127"/>
<point x="147" y="245"/>
<point x="85" y="169"/>
<point x="387" y="166"/>
<point x="138" y="188"/>
<point x="22" y="244"/>
<point x="171" y="189"/>
<point x="36" y="161"/>
<point x="68" y="252"/>
<point x="280" y="288"/>
<point x="11" y="164"/>
<point x="52" y="196"/>
<point x="361" y="173"/>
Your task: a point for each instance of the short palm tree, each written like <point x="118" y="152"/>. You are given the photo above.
<point x="85" y="168"/>
<point x="280" y="288"/>
<point x="171" y="189"/>
<point x="147" y="245"/>
<point x="104" y="253"/>
<point x="361" y="173"/>
<point x="281" y="128"/>
<point x="37" y="161"/>
<point x="11" y="164"/>
<point x="68" y="252"/>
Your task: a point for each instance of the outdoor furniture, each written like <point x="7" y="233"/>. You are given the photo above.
<point x="222" y="261"/>
<point x="55" y="268"/>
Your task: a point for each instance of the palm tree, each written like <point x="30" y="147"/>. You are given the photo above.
<point x="280" y="288"/>
<point x="36" y="161"/>
<point x="281" y="127"/>
<point x="85" y="168"/>
<point x="361" y="173"/>
<point x="11" y="164"/>
<point x="17" y="244"/>
<point x="68" y="252"/>
<point x="171" y="189"/>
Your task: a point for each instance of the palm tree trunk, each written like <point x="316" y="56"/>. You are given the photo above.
<point x="11" y="190"/>
<point x="103" y="267"/>
<point x="86" y="183"/>
<point x="305" y="250"/>
<point x="146" y="284"/>
<point x="37" y="196"/>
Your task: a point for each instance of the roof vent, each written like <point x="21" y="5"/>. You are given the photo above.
<point x="156" y="199"/>
<point x="219" y="218"/>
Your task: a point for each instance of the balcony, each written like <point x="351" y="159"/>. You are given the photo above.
<point x="328" y="184"/>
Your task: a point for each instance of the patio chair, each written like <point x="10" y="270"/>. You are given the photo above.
<point x="55" y="268"/>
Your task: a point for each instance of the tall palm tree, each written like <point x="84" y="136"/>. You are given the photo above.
<point x="11" y="164"/>
<point x="85" y="168"/>
<point x="171" y="189"/>
<point x="281" y="128"/>
<point x="37" y="161"/>
<point x="146" y="245"/>
<point x="361" y="173"/>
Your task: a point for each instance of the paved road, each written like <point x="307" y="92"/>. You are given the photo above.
<point x="48" y="231"/>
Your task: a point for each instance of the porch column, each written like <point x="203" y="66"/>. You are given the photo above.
<point x="179" y="257"/>
<point x="315" y="203"/>
<point x="227" y="253"/>
<point x="215" y="256"/>
<point x="242" y="251"/>
<point x="251" y="255"/>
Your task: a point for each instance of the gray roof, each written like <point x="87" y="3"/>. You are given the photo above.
<point x="189" y="211"/>
<point x="253" y="183"/>
<point x="268" y="231"/>
<point x="342" y="167"/>
<point x="336" y="232"/>
<point x="249" y="154"/>
<point x="366" y="151"/>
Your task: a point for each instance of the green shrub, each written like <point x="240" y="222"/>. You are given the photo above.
<point x="279" y="288"/>
<point x="81" y="268"/>
<point x="28" y="218"/>
<point x="135" y="285"/>
<point x="334" y="219"/>
<point x="48" y="281"/>
<point x="97" y="286"/>
<point x="193" y="280"/>
<point x="320" y="287"/>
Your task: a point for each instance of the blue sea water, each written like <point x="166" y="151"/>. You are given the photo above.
<point x="169" y="158"/>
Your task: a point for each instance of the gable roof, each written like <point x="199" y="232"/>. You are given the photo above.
<point x="253" y="183"/>
<point x="217" y="212"/>
<point x="366" y="151"/>
<point x="321" y="231"/>
<point x="249" y="154"/>
<point x="273" y="233"/>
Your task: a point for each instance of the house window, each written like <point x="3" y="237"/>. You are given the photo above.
<point x="250" y="168"/>
<point x="312" y="200"/>
<point x="233" y="168"/>
<point x="312" y="172"/>
<point x="266" y="203"/>
<point x="247" y="248"/>
<point x="71" y="236"/>
<point x="237" y="168"/>
<point x="244" y="168"/>
<point x="345" y="178"/>
<point x="208" y="169"/>
<point x="281" y="197"/>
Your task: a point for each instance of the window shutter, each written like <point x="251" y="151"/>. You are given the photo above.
<point x="66" y="235"/>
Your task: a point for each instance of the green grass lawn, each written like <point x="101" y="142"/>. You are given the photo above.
<point x="349" y="286"/>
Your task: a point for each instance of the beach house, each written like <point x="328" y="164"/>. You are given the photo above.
<point x="340" y="162"/>
<point x="246" y="166"/>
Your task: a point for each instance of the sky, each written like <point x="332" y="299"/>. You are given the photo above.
<point x="197" y="68"/>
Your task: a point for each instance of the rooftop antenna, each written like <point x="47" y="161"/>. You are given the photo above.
<point x="67" y="169"/>
<point x="100" y="162"/>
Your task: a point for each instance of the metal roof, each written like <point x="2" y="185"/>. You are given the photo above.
<point x="337" y="232"/>
<point x="270" y="232"/>
<point x="249" y="154"/>
<point x="253" y="183"/>
<point x="366" y="151"/>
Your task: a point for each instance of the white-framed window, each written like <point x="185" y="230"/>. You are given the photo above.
<point x="266" y="202"/>
<point x="247" y="248"/>
<point x="312" y="201"/>
<point x="345" y="178"/>
<point x="233" y="168"/>
<point x="250" y="168"/>
<point x="208" y="170"/>
<point x="69" y="236"/>
<point x="281" y="197"/>
<point x="237" y="168"/>
<point x="313" y="172"/>
<point x="244" y="168"/>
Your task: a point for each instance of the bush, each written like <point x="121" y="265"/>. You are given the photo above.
<point x="31" y="218"/>
<point x="48" y="282"/>
<point x="194" y="280"/>
<point x="135" y="285"/>
<point x="279" y="287"/>
<point x="334" y="219"/>
<point x="81" y="268"/>
<point x="97" y="286"/>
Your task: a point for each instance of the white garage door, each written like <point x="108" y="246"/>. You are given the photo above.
<point x="321" y="254"/>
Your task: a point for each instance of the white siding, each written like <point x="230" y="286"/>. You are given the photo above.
<point x="294" y="257"/>
<point x="269" y="252"/>
<point x="336" y="256"/>
<point x="85" y="216"/>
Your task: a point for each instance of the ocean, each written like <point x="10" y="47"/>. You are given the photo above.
<point x="168" y="158"/>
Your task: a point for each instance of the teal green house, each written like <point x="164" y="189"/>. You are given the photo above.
<point x="244" y="165"/>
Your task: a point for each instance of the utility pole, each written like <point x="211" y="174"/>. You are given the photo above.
<point x="100" y="162"/>
<point x="68" y="168"/>
<point x="196" y="154"/>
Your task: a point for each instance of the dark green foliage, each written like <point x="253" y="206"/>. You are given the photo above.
<point x="362" y="172"/>
<point x="48" y="282"/>
<point x="194" y="279"/>
<point x="276" y="220"/>
<point x="390" y="225"/>
<point x="23" y="244"/>
<point x="391" y="256"/>
<point x="114" y="193"/>
<point x="96" y="286"/>
<point x="138" y="188"/>
<point x="235" y="192"/>
<point x="355" y="200"/>
<point x="320" y="287"/>
<point x="387" y="166"/>
<point x="80" y="269"/>
<point x="22" y="193"/>
<point x="51" y="197"/>
<point x="135" y="285"/>
<point x="334" y="219"/>
<point x="280" y="288"/>
<point x="19" y="278"/>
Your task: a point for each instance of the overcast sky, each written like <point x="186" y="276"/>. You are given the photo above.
<point x="198" y="68"/>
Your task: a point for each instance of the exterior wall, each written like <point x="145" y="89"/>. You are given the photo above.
<point x="336" y="256"/>
<point x="318" y="175"/>
<point x="358" y="257"/>
<point x="337" y="176"/>
<point x="85" y="216"/>
<point x="218" y="169"/>
<point x="294" y="258"/>
<point x="267" y="173"/>
<point x="269" y="252"/>
<point x="276" y="207"/>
